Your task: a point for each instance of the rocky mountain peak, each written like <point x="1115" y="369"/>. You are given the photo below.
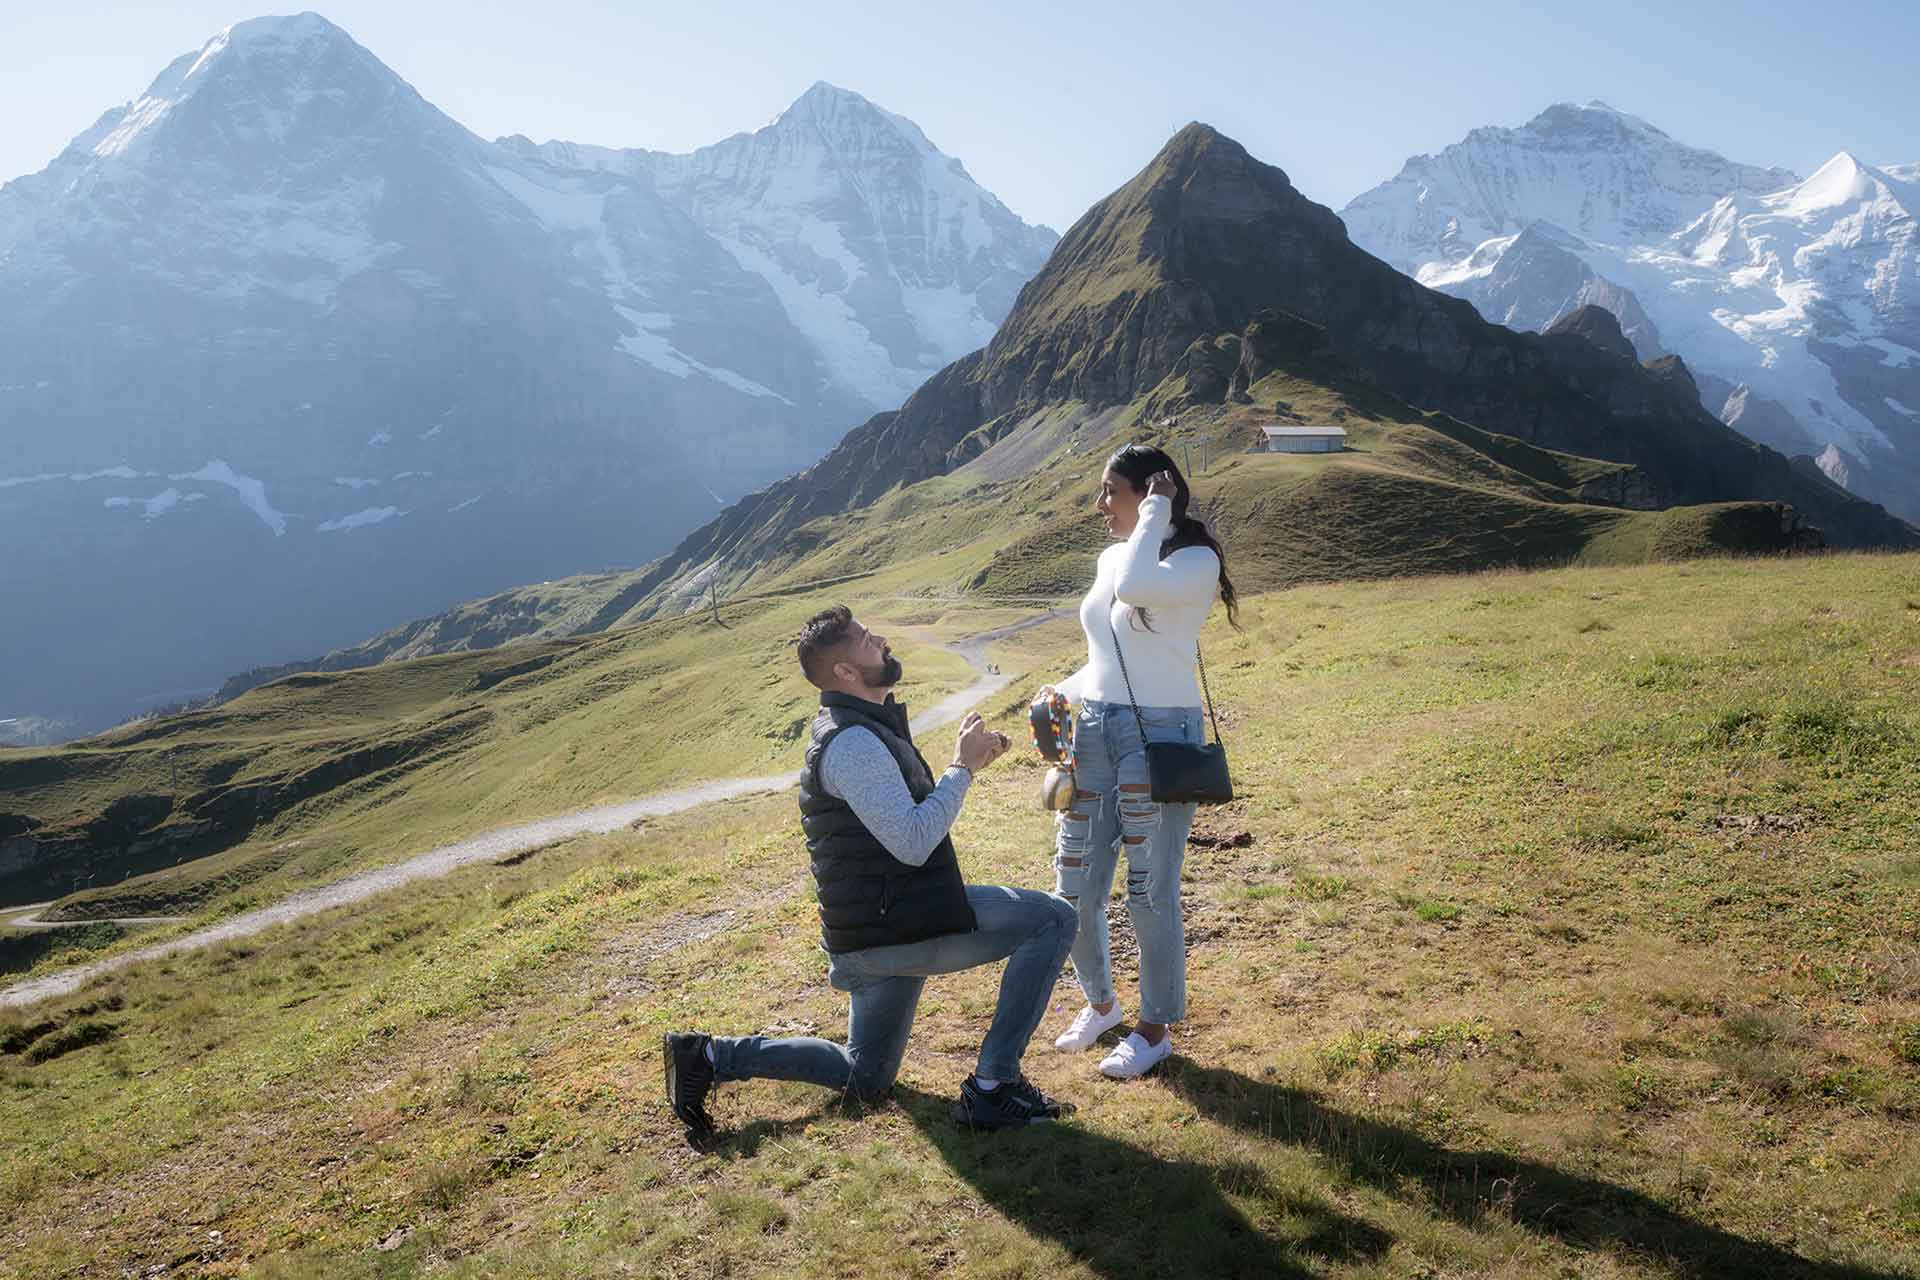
<point x="1198" y="241"/>
<point x="1598" y="172"/>
<point x="272" y="82"/>
<point x="1596" y="325"/>
<point x="848" y="124"/>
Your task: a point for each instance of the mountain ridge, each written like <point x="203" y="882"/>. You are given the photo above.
<point x="297" y="356"/>
<point x="1117" y="307"/>
<point x="1119" y="316"/>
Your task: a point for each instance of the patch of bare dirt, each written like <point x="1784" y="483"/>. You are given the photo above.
<point x="1737" y="825"/>
<point x="1123" y="945"/>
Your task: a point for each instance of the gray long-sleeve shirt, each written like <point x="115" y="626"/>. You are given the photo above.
<point x="858" y="768"/>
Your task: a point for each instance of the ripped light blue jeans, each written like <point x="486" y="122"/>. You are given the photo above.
<point x="1112" y="814"/>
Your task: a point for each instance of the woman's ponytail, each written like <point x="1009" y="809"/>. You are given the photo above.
<point x="1189" y="531"/>
<point x="1139" y="463"/>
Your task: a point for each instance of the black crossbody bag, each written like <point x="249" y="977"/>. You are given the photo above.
<point x="1182" y="772"/>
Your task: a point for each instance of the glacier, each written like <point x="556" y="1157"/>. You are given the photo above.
<point x="1791" y="300"/>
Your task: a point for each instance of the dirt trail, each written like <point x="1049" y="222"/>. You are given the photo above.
<point x="504" y="842"/>
<point x="23" y="918"/>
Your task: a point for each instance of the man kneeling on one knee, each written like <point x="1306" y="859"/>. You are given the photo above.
<point x="893" y="907"/>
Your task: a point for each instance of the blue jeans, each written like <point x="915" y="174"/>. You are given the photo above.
<point x="1028" y="929"/>
<point x="1112" y="812"/>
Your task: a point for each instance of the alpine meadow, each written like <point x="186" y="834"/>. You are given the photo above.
<point x="1566" y="917"/>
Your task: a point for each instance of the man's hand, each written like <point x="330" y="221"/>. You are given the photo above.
<point x="979" y="746"/>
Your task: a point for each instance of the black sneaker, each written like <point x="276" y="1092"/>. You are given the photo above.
<point x="1015" y="1102"/>
<point x="689" y="1076"/>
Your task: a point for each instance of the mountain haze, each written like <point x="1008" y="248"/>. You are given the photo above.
<point x="287" y="355"/>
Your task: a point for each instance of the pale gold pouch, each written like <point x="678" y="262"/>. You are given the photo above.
<point x="1056" y="789"/>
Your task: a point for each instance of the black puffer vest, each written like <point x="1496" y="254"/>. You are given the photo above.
<point x="868" y="897"/>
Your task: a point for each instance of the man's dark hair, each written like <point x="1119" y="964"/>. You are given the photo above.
<point x="824" y="633"/>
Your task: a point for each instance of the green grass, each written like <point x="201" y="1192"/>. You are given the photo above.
<point x="361" y="767"/>
<point x="323" y="772"/>
<point x="1529" y="968"/>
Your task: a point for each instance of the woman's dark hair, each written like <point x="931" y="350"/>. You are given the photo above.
<point x="1139" y="463"/>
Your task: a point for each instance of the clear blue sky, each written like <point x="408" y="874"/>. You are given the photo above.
<point x="1052" y="106"/>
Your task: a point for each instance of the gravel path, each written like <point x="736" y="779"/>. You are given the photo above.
<point x="501" y="843"/>
<point x="23" y="918"/>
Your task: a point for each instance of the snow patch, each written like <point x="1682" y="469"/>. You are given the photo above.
<point x="1897" y="407"/>
<point x="1834" y="464"/>
<point x="379" y="438"/>
<point x="462" y="506"/>
<point x="1892" y="354"/>
<point x="414" y="278"/>
<point x="949" y="318"/>
<point x="648" y="345"/>
<point x="110" y="473"/>
<point x="830" y="324"/>
<point x="252" y="492"/>
<point x="354" y="482"/>
<point x="359" y="519"/>
<point x="159" y="504"/>
<point x="568" y="205"/>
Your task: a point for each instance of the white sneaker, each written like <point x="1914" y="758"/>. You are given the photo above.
<point x="1135" y="1057"/>
<point x="1089" y="1026"/>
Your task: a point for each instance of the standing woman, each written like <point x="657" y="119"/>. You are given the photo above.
<point x="1151" y="593"/>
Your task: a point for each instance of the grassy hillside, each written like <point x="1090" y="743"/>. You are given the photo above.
<point x="1413" y="493"/>
<point x="304" y="778"/>
<point x="1569" y="925"/>
<point x="326" y="770"/>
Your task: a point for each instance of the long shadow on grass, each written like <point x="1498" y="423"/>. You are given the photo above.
<point x="1126" y="1212"/>
<point x="1468" y="1186"/>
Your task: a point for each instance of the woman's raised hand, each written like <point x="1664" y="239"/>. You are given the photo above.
<point x="1161" y="484"/>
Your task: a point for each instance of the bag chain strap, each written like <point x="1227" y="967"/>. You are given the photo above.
<point x="1121" y="654"/>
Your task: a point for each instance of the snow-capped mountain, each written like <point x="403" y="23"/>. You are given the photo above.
<point x="287" y="355"/>
<point x="1532" y="278"/>
<point x="882" y="250"/>
<point x="1598" y="173"/>
<point x="1792" y="300"/>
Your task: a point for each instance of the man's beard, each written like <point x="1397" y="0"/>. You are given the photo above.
<point x="883" y="674"/>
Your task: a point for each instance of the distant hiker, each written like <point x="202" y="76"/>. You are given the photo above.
<point x="893" y="906"/>
<point x="1151" y="591"/>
